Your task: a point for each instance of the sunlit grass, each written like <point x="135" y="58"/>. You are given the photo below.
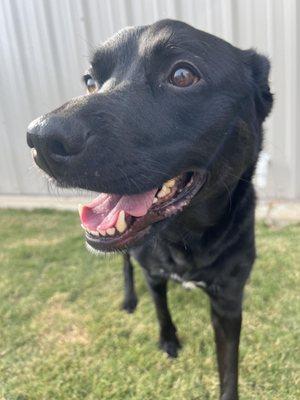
<point x="63" y="336"/>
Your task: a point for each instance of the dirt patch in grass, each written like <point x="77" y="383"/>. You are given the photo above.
<point x="59" y="326"/>
<point x="33" y="242"/>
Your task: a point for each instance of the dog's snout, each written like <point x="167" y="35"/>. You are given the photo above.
<point x="56" y="138"/>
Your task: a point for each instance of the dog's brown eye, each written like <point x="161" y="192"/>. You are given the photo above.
<point x="91" y="85"/>
<point x="183" y="77"/>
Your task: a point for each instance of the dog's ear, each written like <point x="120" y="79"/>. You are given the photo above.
<point x="259" y="67"/>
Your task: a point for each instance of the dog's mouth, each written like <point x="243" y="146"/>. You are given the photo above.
<point x="114" y="222"/>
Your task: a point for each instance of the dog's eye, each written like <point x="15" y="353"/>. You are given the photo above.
<point x="183" y="77"/>
<point x="91" y="84"/>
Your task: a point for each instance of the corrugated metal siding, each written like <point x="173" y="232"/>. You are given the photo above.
<point x="45" y="46"/>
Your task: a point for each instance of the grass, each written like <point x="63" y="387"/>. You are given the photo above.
<point x="63" y="336"/>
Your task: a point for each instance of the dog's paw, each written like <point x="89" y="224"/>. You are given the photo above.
<point x="170" y="346"/>
<point x="129" y="305"/>
<point x="230" y="396"/>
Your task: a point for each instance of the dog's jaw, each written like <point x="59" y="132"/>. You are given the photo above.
<point x="168" y="202"/>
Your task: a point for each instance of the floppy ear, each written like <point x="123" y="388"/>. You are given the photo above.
<point x="259" y="66"/>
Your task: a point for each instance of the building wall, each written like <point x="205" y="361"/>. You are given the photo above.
<point x="45" y="47"/>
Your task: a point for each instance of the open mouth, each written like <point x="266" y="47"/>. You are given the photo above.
<point x="114" y="222"/>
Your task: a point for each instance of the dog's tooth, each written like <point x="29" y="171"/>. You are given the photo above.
<point x="170" y="183"/>
<point x="111" y="231"/>
<point x="155" y="200"/>
<point x="83" y="227"/>
<point x="160" y="194"/>
<point x="121" y="223"/>
<point x="102" y="233"/>
<point x="163" y="192"/>
<point x="80" y="208"/>
<point x="95" y="233"/>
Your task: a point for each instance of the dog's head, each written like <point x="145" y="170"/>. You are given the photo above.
<point x="171" y="115"/>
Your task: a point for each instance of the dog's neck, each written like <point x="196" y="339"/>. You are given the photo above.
<point x="215" y="212"/>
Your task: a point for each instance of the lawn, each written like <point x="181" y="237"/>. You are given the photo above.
<point x="63" y="335"/>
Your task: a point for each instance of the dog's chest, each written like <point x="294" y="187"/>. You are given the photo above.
<point x="170" y="262"/>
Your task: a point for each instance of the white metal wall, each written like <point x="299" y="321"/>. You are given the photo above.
<point x="45" y="46"/>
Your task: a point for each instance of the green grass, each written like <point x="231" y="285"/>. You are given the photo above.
<point x="63" y="336"/>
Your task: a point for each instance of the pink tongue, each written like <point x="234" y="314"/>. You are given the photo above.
<point x="102" y="213"/>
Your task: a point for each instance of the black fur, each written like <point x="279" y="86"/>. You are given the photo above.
<point x="138" y="131"/>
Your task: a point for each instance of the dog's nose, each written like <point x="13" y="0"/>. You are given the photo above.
<point x="56" y="137"/>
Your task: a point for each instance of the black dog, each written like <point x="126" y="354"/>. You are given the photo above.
<point x="170" y="134"/>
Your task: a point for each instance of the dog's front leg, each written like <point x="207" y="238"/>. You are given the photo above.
<point x="130" y="297"/>
<point x="168" y="340"/>
<point x="227" y="328"/>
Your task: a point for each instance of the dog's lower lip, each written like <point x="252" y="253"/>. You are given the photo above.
<point x="156" y="213"/>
